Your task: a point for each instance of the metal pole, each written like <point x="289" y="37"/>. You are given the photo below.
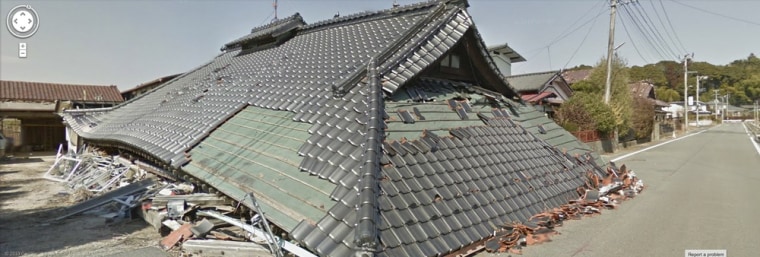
<point x="610" y="46"/>
<point x="696" y="101"/>
<point x="685" y="93"/>
<point x="715" y="109"/>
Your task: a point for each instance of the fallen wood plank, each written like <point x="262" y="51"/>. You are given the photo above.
<point x="199" y="199"/>
<point x="181" y="234"/>
<point x="105" y="198"/>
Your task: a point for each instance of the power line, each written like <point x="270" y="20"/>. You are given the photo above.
<point x="581" y="44"/>
<point x="671" y="27"/>
<point x="570" y="32"/>
<point x="718" y="14"/>
<point x="662" y="25"/>
<point x="650" y="24"/>
<point x="632" y="42"/>
<point x="644" y="34"/>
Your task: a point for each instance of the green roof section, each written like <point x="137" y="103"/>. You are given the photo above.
<point x="256" y="151"/>
<point x="530" y="118"/>
<point x="439" y="118"/>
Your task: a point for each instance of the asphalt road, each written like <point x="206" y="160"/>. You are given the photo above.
<point x="703" y="192"/>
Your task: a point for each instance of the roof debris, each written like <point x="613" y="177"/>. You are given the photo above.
<point x="598" y="194"/>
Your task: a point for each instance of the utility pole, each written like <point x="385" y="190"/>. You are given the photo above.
<point x="725" y="107"/>
<point x="610" y="48"/>
<point x="756" y="114"/>
<point x="696" y="102"/>
<point x="715" y="109"/>
<point x="685" y="92"/>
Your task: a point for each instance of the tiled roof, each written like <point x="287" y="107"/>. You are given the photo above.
<point x="151" y="83"/>
<point x="38" y="91"/>
<point x="533" y="98"/>
<point x="327" y="130"/>
<point x="642" y="89"/>
<point x="273" y="29"/>
<point x="573" y="76"/>
<point x="531" y="81"/>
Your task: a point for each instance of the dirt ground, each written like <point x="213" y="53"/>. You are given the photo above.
<point x="28" y="202"/>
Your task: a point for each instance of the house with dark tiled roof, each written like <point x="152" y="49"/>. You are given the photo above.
<point x="145" y="87"/>
<point x="645" y="89"/>
<point x="27" y="110"/>
<point x="545" y="90"/>
<point x="576" y="75"/>
<point x="387" y="133"/>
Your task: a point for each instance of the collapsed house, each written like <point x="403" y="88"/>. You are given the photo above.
<point x="386" y="133"/>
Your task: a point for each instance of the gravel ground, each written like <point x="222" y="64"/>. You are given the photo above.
<point x="27" y="202"/>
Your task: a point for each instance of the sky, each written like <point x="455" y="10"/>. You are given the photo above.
<point x="126" y="43"/>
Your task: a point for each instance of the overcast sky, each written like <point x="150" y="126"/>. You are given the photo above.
<point x="126" y="43"/>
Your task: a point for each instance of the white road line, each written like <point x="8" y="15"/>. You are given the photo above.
<point x="751" y="139"/>
<point x="654" y="146"/>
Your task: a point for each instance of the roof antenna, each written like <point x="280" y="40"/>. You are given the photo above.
<point x="395" y="4"/>
<point x="275" y="10"/>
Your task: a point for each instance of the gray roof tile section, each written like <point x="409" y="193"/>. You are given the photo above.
<point x="295" y="76"/>
<point x="531" y="81"/>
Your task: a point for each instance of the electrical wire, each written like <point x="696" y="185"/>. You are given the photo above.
<point x="656" y="32"/>
<point x="662" y="24"/>
<point x="667" y="17"/>
<point x="643" y="33"/>
<point x="667" y="33"/>
<point x="581" y="44"/>
<point x="567" y="33"/>
<point x="633" y="42"/>
<point x="718" y="14"/>
<point x="570" y="32"/>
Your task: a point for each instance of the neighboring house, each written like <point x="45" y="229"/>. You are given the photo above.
<point x="575" y="76"/>
<point x="504" y="56"/>
<point x="735" y="111"/>
<point x="675" y="110"/>
<point x="388" y="133"/>
<point x="646" y="90"/>
<point x="27" y="110"/>
<point x="145" y="87"/>
<point x="545" y="90"/>
<point x="729" y="111"/>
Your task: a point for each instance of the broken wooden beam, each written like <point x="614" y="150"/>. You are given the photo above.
<point x="197" y="199"/>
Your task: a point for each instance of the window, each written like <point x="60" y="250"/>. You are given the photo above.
<point x="451" y="61"/>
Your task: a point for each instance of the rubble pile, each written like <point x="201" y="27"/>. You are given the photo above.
<point x="93" y="171"/>
<point x="597" y="194"/>
<point x="113" y="187"/>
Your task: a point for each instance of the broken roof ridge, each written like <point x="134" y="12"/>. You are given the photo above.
<point x="362" y="16"/>
<point x="294" y="17"/>
<point x="273" y="29"/>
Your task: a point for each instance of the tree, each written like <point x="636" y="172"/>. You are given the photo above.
<point x="650" y="72"/>
<point x="666" y="94"/>
<point x="643" y="117"/>
<point x="590" y="92"/>
<point x="585" y="111"/>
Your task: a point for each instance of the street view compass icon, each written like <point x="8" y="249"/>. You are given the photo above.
<point x="23" y="21"/>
